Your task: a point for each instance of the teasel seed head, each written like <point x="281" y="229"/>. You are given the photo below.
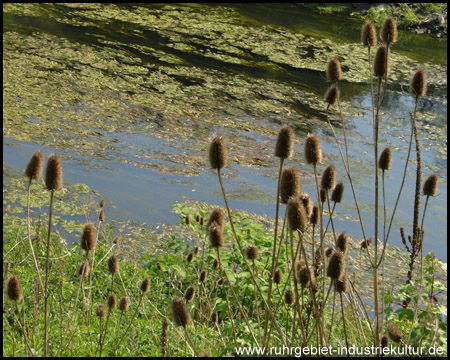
<point x="334" y="71"/>
<point x="296" y="215"/>
<point x="336" y="265"/>
<point x="252" y="252"/>
<point x="215" y="235"/>
<point x="187" y="220"/>
<point x="394" y="333"/>
<point x="180" y="312"/>
<point x="328" y="252"/>
<point x="112" y="301"/>
<point x="379" y="66"/>
<point x="202" y="220"/>
<point x="369" y="34"/>
<point x="365" y="243"/>
<point x="116" y="240"/>
<point x="101" y="311"/>
<point x="338" y="193"/>
<point x="389" y="30"/>
<point x="307" y="204"/>
<point x="14" y="288"/>
<point x="285" y="143"/>
<point x="315" y="218"/>
<point x="197" y="218"/>
<point x="323" y="195"/>
<point x="290" y="184"/>
<point x="313" y="152"/>
<point x="203" y="275"/>
<point x="217" y="153"/>
<point x="190" y="257"/>
<point x="196" y="250"/>
<point x="220" y="281"/>
<point x="158" y="266"/>
<point x="306" y="276"/>
<point x="385" y="160"/>
<point x="329" y="178"/>
<point x="332" y="95"/>
<point x="113" y="264"/>
<point x="34" y="167"/>
<point x="218" y="216"/>
<point x="341" y="284"/>
<point x="88" y="241"/>
<point x="53" y="173"/>
<point x="145" y="285"/>
<point x="430" y="185"/>
<point x="102" y="202"/>
<point x="384" y="341"/>
<point x="215" y="317"/>
<point x="216" y="264"/>
<point x="180" y="285"/>
<point x="190" y="293"/>
<point x="418" y="86"/>
<point x="342" y="242"/>
<point x="277" y="276"/>
<point x="289" y="297"/>
<point x="84" y="269"/>
<point x="101" y="216"/>
<point x="124" y="303"/>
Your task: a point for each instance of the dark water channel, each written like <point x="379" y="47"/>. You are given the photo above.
<point x="130" y="96"/>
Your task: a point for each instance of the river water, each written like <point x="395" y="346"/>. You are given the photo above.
<point x="130" y="96"/>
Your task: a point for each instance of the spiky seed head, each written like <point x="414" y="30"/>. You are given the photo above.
<point x="341" y="284"/>
<point x="180" y="285"/>
<point x="323" y="195"/>
<point x="123" y="304"/>
<point x="112" y="301"/>
<point x="145" y="285"/>
<point x="277" y="276"/>
<point x="329" y="178"/>
<point x="203" y="275"/>
<point x="332" y="95"/>
<point x="180" y="312"/>
<point x="285" y="143"/>
<point x="53" y="173"/>
<point x="190" y="257"/>
<point x="190" y="293"/>
<point x="338" y="193"/>
<point x="14" y="288"/>
<point x="430" y="185"/>
<point x="313" y="152"/>
<point x="384" y="341"/>
<point x="288" y="297"/>
<point x="217" y="153"/>
<point x="34" y="167"/>
<point x="197" y="218"/>
<point x="116" y="240"/>
<point x="342" y="242"/>
<point x="187" y="220"/>
<point x="216" y="264"/>
<point x="379" y="65"/>
<point x="394" y="333"/>
<point x="252" y="252"/>
<point x="418" y="85"/>
<point x="88" y="241"/>
<point x="202" y="220"/>
<point x="215" y="317"/>
<point x="101" y="311"/>
<point x="365" y="243"/>
<point x="368" y="34"/>
<point x="328" y="252"/>
<point x="315" y="215"/>
<point x="385" y="160"/>
<point x="296" y="215"/>
<point x="389" y="30"/>
<point x="336" y="265"/>
<point x="84" y="269"/>
<point x="215" y="235"/>
<point x="101" y="215"/>
<point x="102" y="202"/>
<point x="196" y="250"/>
<point x="218" y="216"/>
<point x="306" y="275"/>
<point x="307" y="203"/>
<point x="220" y="281"/>
<point x="290" y="184"/>
<point x="158" y="265"/>
<point x="113" y="264"/>
<point x="334" y="71"/>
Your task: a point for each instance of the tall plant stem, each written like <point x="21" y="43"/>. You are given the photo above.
<point x="241" y="250"/>
<point x="272" y="270"/>
<point x="343" y="321"/>
<point x="52" y="193"/>
<point x="190" y="341"/>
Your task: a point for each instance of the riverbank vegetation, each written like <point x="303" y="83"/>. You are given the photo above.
<point x="229" y="279"/>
